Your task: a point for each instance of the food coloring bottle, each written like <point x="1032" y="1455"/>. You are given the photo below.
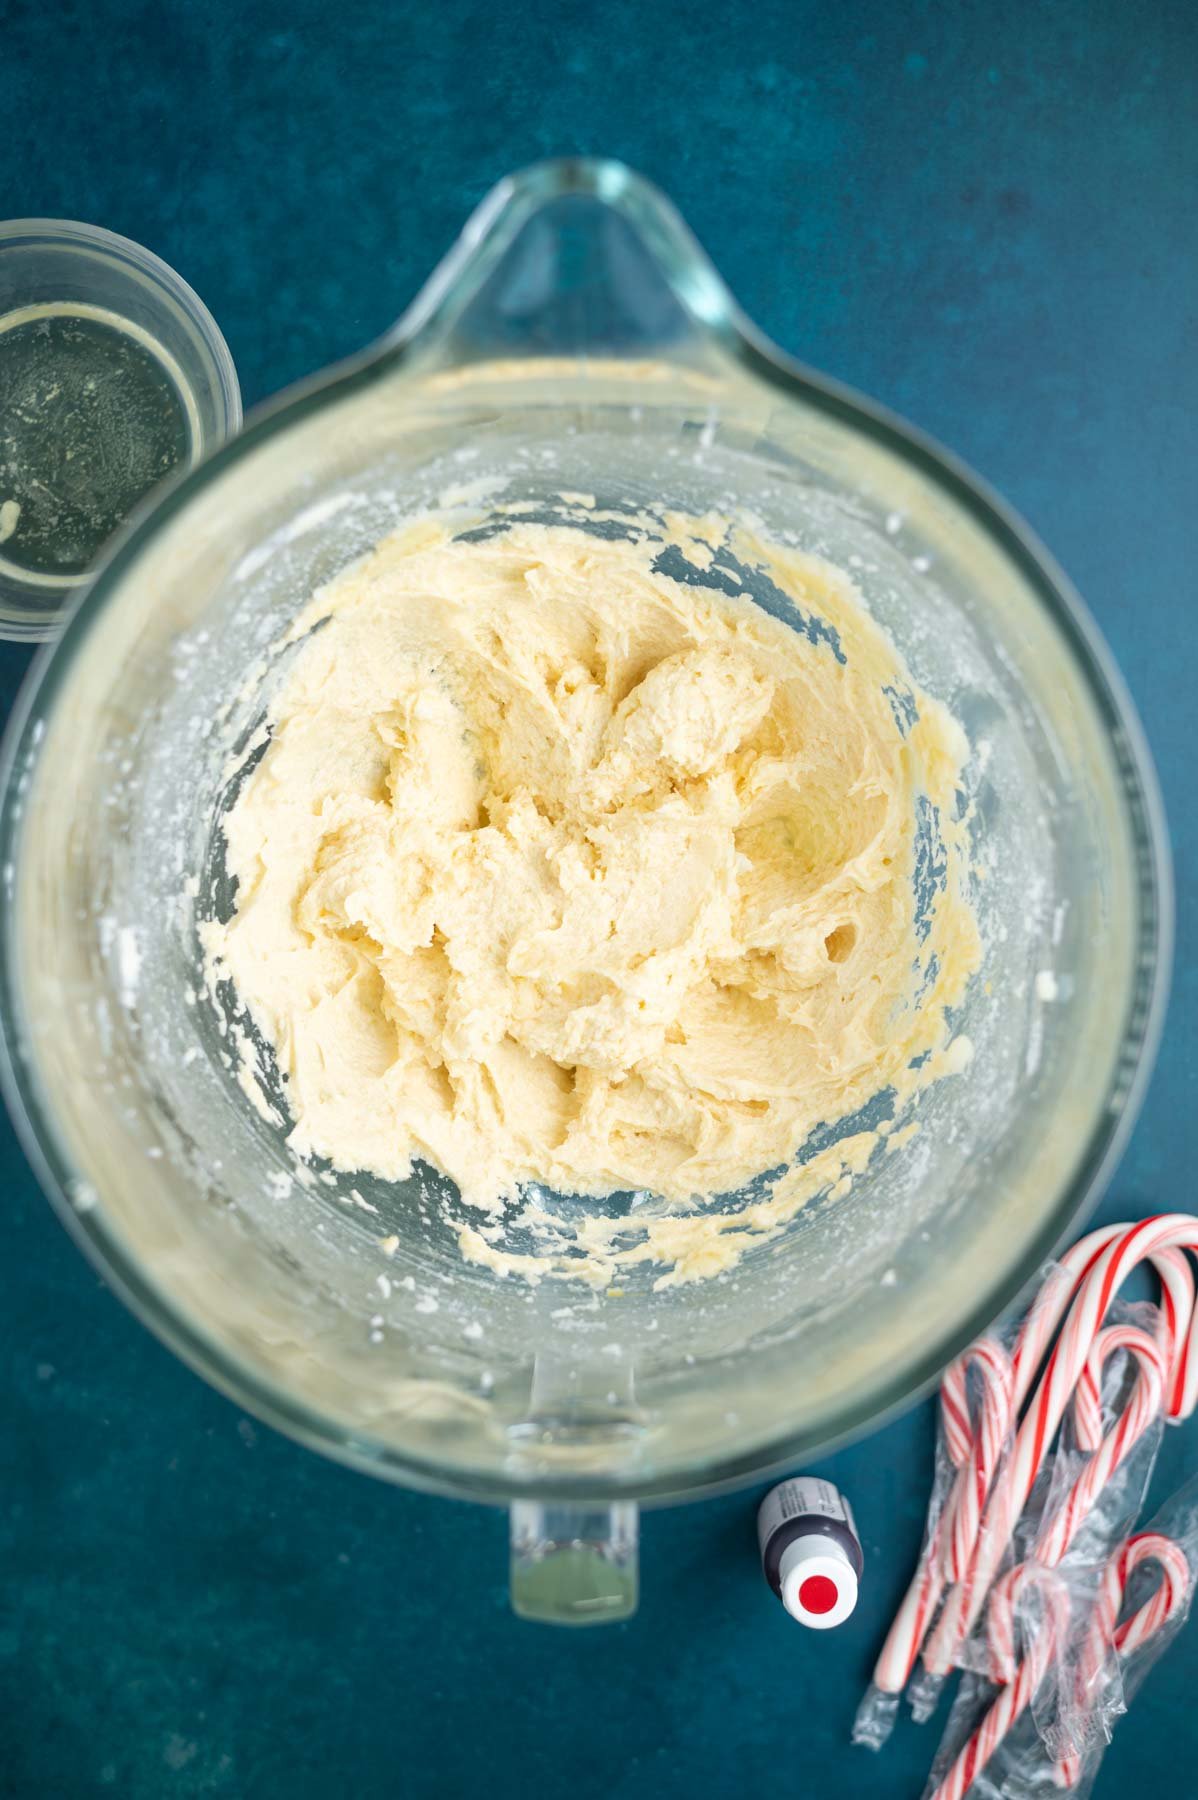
<point x="810" y="1552"/>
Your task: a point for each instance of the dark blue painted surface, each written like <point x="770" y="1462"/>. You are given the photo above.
<point x="984" y="216"/>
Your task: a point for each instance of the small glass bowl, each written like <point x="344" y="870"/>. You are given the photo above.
<point x="94" y="275"/>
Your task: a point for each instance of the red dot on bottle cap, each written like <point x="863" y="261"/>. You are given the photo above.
<point x="818" y="1594"/>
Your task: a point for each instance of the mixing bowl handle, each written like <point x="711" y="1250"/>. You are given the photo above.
<point x="574" y="1563"/>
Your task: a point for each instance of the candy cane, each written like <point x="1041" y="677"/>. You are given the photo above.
<point x="1177" y="1303"/>
<point x="1179" y="1323"/>
<point x="909" y="1627"/>
<point x="1172" y="1594"/>
<point x="1143" y="1407"/>
<point x="1106" y="1275"/>
<point x="1061" y="1525"/>
<point x="949" y="1554"/>
<point x="1105" y="1634"/>
<point x="1104" y="1269"/>
<point x="976" y="1457"/>
<point x="1023" y="1677"/>
<point x="1178" y="1327"/>
<point x="983" y="1448"/>
<point x="1052" y="1302"/>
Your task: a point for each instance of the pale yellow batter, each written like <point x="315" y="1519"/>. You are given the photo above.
<point x="558" y="870"/>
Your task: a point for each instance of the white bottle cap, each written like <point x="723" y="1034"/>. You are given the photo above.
<point x="819" y="1585"/>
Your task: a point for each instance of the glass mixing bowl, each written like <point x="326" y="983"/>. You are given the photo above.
<point x="575" y="339"/>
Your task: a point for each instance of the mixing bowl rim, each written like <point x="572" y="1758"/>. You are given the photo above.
<point x="1081" y="641"/>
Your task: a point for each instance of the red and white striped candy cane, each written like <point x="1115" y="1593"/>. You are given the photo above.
<point x="976" y="1456"/>
<point x="1061" y="1525"/>
<point x="1023" y="1676"/>
<point x="1177" y="1303"/>
<point x="1166" y="1233"/>
<point x="1105" y="1272"/>
<point x="1050" y="1305"/>
<point x="1173" y="1592"/>
<point x="947" y="1553"/>
<point x="1177" y="1316"/>
<point x="1105" y="1635"/>
<point x="1105" y="1276"/>
<point x="1143" y="1406"/>
<point x="910" y="1625"/>
<point x="1179" y="1327"/>
<point x="1059" y="1528"/>
<point x="983" y="1447"/>
<point x="1178" y="1319"/>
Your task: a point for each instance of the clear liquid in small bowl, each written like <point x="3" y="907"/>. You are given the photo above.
<point x="94" y="413"/>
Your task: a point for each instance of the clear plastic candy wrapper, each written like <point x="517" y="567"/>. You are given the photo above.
<point x="1033" y="1581"/>
<point x="1087" y="1677"/>
<point x="974" y="1439"/>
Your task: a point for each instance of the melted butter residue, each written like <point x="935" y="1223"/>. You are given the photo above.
<point x="570" y="868"/>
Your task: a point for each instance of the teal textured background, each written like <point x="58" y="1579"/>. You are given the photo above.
<point x="985" y="216"/>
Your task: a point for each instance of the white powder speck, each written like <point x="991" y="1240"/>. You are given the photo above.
<point x="1046" y="986"/>
<point x="383" y="1286"/>
<point x="389" y="1245"/>
<point x="128" y="963"/>
<point x="83" y="1196"/>
<point x="894" y="524"/>
<point x="473" y="1330"/>
<point x="427" y="1303"/>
